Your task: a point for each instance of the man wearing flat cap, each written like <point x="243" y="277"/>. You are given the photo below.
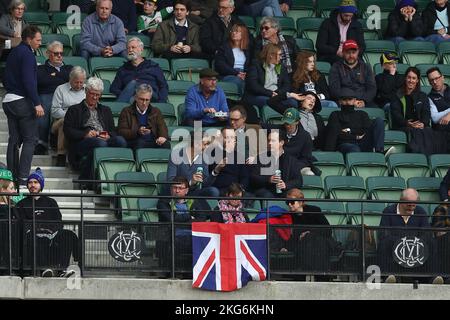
<point x="342" y="25"/>
<point x="354" y="74"/>
<point x="206" y="102"/>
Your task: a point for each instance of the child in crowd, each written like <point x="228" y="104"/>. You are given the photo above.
<point x="231" y="211"/>
<point x="148" y="22"/>
<point x="389" y="81"/>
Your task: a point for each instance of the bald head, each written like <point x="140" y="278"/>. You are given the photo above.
<point x="409" y="194"/>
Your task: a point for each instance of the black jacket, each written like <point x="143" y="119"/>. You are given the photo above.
<point x="255" y="79"/>
<point x="421" y="109"/>
<point x="321" y="87"/>
<point x="329" y="38"/>
<point x="291" y="45"/>
<point x="290" y="174"/>
<point x="76" y="117"/>
<point x="45" y="209"/>
<point x="224" y="61"/>
<point x="200" y="205"/>
<point x="49" y="77"/>
<point x="213" y="33"/>
<point x="359" y="79"/>
<point x="387" y="87"/>
<point x="429" y="18"/>
<point x="356" y="120"/>
<point x="234" y="172"/>
<point x="398" y="27"/>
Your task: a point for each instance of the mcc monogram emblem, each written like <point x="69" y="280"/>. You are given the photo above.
<point x="410" y="252"/>
<point x="125" y="247"/>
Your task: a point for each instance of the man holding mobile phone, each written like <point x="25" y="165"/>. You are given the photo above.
<point x="142" y="124"/>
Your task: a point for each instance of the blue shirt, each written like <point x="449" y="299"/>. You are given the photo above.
<point x="195" y="103"/>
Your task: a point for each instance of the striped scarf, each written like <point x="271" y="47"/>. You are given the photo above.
<point x="285" y="56"/>
<point x="231" y="214"/>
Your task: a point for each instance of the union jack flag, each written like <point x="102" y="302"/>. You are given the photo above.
<point x="227" y="256"/>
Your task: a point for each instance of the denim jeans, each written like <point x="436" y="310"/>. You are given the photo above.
<point x="22" y="129"/>
<point x="264" y="8"/>
<point x="397" y="40"/>
<point x="436" y="38"/>
<point x="238" y="81"/>
<point x="146" y="141"/>
<point x="374" y="139"/>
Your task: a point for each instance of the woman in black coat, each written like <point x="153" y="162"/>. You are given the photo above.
<point x="233" y="58"/>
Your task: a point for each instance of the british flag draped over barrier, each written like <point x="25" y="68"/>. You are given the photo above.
<point x="227" y="256"/>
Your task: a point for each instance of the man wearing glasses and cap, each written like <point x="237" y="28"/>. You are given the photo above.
<point x="389" y="81"/>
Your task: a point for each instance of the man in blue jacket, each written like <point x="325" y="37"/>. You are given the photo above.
<point x="22" y="104"/>
<point x="102" y="33"/>
<point x="204" y="100"/>
<point x="136" y="71"/>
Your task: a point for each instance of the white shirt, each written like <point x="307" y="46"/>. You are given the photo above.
<point x="405" y="218"/>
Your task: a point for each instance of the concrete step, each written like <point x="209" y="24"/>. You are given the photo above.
<point x="74" y="216"/>
<point x="38" y="161"/>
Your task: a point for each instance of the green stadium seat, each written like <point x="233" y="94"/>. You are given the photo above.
<point x="106" y="68"/>
<point x="76" y="51"/>
<point x="313" y="187"/>
<point x="180" y="113"/>
<point x="77" y="61"/>
<point x="36" y="5"/>
<point x="324" y="8"/>
<point x="445" y="70"/>
<point x="188" y="69"/>
<point x="324" y="68"/>
<point x="250" y="23"/>
<point x="408" y="165"/>
<point x="48" y="38"/>
<point x="370" y="31"/>
<point x="428" y="187"/>
<point x="395" y="138"/>
<point x="426" y="89"/>
<point x="385" y="7"/>
<point x="108" y="161"/>
<point x="107" y="96"/>
<point x="253" y="210"/>
<point x="165" y="67"/>
<point x="153" y="160"/>
<point x="439" y="163"/>
<point x="366" y="164"/>
<point x="326" y="112"/>
<point x="168" y="112"/>
<point x="64" y="23"/>
<point x="305" y="44"/>
<point x="401" y="68"/>
<point x="374" y="49"/>
<point x="38" y="18"/>
<point x="417" y="52"/>
<point x="372" y="212"/>
<point x="345" y="187"/>
<point x="444" y="52"/>
<point x="308" y="28"/>
<point x="138" y="184"/>
<point x="148" y="209"/>
<point x="161" y="177"/>
<point x="287" y="25"/>
<point x="302" y="9"/>
<point x="177" y="92"/>
<point x="375" y="113"/>
<point x="331" y="163"/>
<point x="231" y="90"/>
<point x="385" y="188"/>
<point x="116" y="108"/>
<point x="270" y="116"/>
<point x="41" y="60"/>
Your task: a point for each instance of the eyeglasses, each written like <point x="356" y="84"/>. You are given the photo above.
<point x="235" y="119"/>
<point x="290" y="202"/>
<point x="265" y="28"/>
<point x="57" y="53"/>
<point x="435" y="79"/>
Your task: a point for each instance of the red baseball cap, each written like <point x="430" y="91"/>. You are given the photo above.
<point x="349" y="45"/>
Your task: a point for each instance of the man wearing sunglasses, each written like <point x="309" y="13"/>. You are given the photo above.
<point x="53" y="73"/>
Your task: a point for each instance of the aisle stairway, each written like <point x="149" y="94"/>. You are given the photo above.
<point x="59" y="180"/>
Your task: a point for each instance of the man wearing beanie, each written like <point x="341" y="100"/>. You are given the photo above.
<point x="404" y="23"/>
<point x="342" y="25"/>
<point x="54" y="244"/>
